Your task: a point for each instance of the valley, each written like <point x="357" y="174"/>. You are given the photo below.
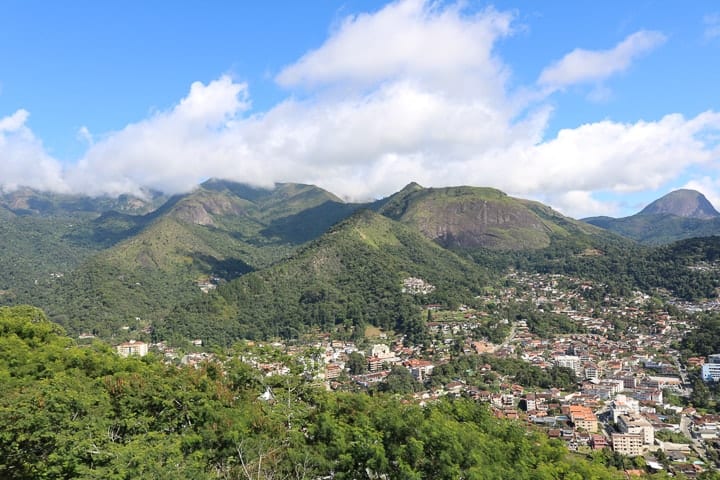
<point x="430" y="295"/>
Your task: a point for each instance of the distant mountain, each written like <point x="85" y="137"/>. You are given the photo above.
<point x="679" y="215"/>
<point x="30" y="202"/>
<point x="682" y="203"/>
<point x="43" y="236"/>
<point x="283" y="259"/>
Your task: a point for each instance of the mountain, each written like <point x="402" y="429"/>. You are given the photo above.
<point x="228" y="260"/>
<point x="682" y="203"/>
<point x="26" y="201"/>
<point x="349" y="277"/>
<point x="676" y="216"/>
<point x="473" y="217"/>
<point x="218" y="232"/>
<point x="41" y="240"/>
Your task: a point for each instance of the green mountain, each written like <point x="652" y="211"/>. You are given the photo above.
<point x="43" y="236"/>
<point x="473" y="217"/>
<point x="216" y="233"/>
<point x="349" y="277"/>
<point x="678" y="215"/>
<point x="293" y="257"/>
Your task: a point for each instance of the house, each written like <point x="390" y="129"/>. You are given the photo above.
<point x="637" y="425"/>
<point x="332" y="371"/>
<point x="598" y="442"/>
<point x="420" y="369"/>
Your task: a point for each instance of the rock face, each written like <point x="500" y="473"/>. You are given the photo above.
<point x="683" y="203"/>
<point x="201" y="209"/>
<point x="471" y="217"/>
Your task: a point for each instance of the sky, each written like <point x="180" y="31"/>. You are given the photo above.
<point x="594" y="108"/>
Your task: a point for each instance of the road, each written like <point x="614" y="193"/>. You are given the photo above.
<point x="697" y="445"/>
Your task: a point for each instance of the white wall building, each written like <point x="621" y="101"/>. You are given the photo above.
<point x="132" y="348"/>
<point x="711" y="370"/>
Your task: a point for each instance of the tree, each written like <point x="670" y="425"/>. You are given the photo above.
<point x="700" y="396"/>
<point x="399" y="380"/>
<point x="357" y="364"/>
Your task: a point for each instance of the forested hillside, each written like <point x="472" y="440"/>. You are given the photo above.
<point x="119" y="267"/>
<point x="349" y="278"/>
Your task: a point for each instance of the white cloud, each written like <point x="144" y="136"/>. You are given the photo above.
<point x="438" y="46"/>
<point x="84" y="135"/>
<point x="171" y="150"/>
<point x="431" y="89"/>
<point x="586" y="66"/>
<point x="411" y="92"/>
<point x="581" y="204"/>
<point x="23" y="160"/>
<point x="14" y="122"/>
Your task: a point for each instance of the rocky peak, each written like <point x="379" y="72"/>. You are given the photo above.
<point x="683" y="203"/>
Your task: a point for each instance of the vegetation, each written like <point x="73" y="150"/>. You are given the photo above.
<point x="621" y="267"/>
<point x="704" y="340"/>
<point x="350" y="277"/>
<point x="99" y="266"/>
<point x="72" y="412"/>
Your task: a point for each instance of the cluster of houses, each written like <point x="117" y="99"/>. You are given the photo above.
<point x="623" y="376"/>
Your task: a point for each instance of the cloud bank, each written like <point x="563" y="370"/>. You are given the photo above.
<point x="414" y="91"/>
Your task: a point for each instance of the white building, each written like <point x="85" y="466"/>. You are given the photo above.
<point x="624" y="405"/>
<point x="132" y="348"/>
<point x="572" y="362"/>
<point x="711" y="370"/>
<point x="637" y="425"/>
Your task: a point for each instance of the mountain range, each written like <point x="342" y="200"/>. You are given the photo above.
<point x="230" y="261"/>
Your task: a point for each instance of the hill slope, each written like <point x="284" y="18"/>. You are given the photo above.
<point x="153" y="261"/>
<point x="351" y="276"/>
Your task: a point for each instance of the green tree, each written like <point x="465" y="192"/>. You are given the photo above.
<point x="357" y="364"/>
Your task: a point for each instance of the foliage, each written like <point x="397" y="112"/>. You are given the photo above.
<point x="704" y="340"/>
<point x="350" y="277"/>
<point x="670" y="436"/>
<point x="620" y="266"/>
<point x="83" y="412"/>
<point x="468" y="368"/>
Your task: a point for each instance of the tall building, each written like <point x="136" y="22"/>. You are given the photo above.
<point x="584" y="418"/>
<point x="711" y="370"/>
<point x="637" y="425"/>
<point x="630" y="444"/>
<point x="572" y="362"/>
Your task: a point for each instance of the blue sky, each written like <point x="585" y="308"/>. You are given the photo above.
<point x="592" y="107"/>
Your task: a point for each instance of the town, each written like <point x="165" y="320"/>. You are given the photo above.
<point x="629" y="392"/>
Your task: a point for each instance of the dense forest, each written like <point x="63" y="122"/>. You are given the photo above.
<point x="349" y="278"/>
